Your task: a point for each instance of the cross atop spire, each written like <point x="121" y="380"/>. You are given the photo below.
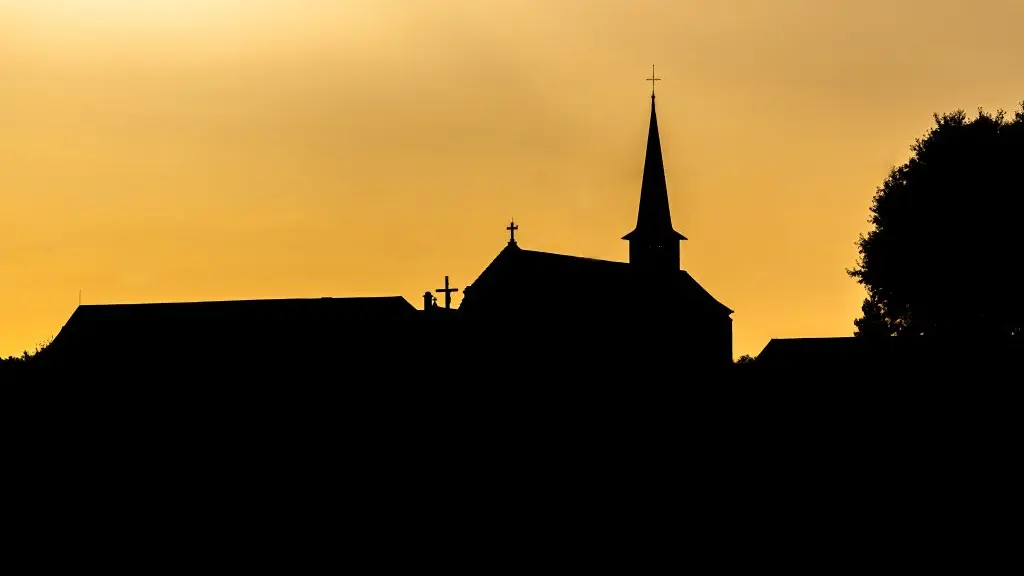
<point x="652" y="80"/>
<point x="654" y="242"/>
<point x="512" y="227"/>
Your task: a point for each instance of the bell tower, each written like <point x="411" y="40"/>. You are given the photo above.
<point x="654" y="243"/>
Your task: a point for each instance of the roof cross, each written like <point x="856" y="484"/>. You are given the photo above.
<point x="512" y="227"/>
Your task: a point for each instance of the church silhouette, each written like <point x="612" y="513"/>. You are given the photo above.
<point x="527" y="307"/>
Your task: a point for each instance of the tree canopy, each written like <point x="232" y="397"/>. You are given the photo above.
<point x="944" y="255"/>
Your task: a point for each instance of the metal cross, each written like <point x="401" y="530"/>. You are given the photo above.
<point x="447" y="293"/>
<point x="512" y="231"/>
<point x="652" y="79"/>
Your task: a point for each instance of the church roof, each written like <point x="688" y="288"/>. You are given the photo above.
<point x="654" y="219"/>
<point x="567" y="272"/>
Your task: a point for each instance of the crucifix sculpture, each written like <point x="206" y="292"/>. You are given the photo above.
<point x="512" y="231"/>
<point x="447" y="293"/>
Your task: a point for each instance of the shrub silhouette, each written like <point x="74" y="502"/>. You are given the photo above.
<point x="18" y="367"/>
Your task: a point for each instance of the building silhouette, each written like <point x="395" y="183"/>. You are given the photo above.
<point x="648" y="308"/>
<point x="526" y="306"/>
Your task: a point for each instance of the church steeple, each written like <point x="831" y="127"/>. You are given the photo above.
<point x="654" y="243"/>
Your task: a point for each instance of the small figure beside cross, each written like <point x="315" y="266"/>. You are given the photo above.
<point x="447" y="291"/>
<point x="512" y="231"/>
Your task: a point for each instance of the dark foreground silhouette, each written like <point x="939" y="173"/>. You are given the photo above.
<point x="514" y="450"/>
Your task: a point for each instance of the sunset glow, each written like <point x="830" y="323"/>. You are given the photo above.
<point x="234" y="149"/>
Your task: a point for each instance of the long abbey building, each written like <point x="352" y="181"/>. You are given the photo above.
<point x="525" y="308"/>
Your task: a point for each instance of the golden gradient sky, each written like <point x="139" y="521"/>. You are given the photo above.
<point x="174" y="150"/>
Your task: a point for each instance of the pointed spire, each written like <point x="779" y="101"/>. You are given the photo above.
<point x="654" y="219"/>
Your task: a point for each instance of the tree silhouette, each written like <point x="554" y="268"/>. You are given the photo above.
<point x="944" y="254"/>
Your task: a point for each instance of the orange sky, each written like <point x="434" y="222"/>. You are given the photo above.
<point x="227" y="149"/>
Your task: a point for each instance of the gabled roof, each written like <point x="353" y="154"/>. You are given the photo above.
<point x="233" y="310"/>
<point x="820" y="349"/>
<point x="514" y="264"/>
<point x="275" y="318"/>
<point x="853" y="351"/>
